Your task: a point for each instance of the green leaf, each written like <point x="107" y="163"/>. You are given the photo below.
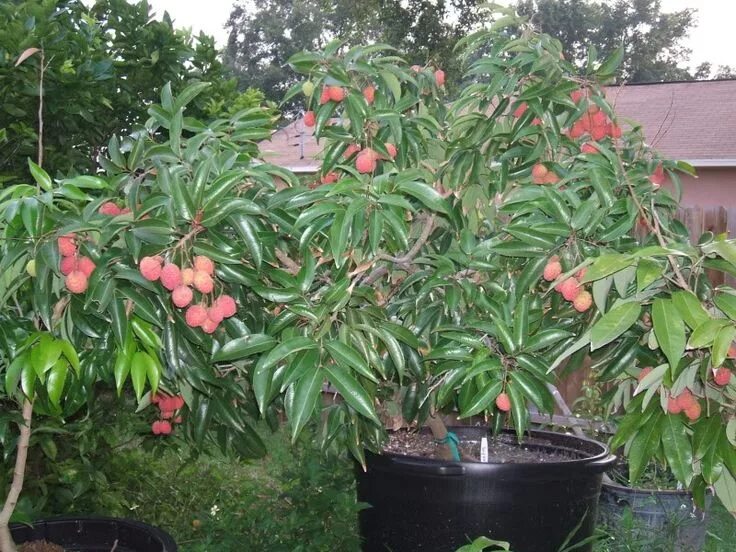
<point x="482" y="400"/>
<point x="725" y="487"/>
<point x="139" y="372"/>
<point x="704" y="334"/>
<point x="353" y="393"/>
<point x="727" y="303"/>
<point x="425" y="193"/>
<point x="643" y="446"/>
<point x="245" y="346"/>
<point x="605" y="265"/>
<point x="690" y="308"/>
<point x="392" y="83"/>
<point x="13" y="372"/>
<point x="56" y="380"/>
<point x="307" y="393"/>
<point x="647" y="273"/>
<point x="262" y="373"/>
<point x="721" y="344"/>
<point x="677" y="448"/>
<point x="41" y="177"/>
<point x="344" y="354"/>
<point x="614" y="323"/>
<point x="669" y="328"/>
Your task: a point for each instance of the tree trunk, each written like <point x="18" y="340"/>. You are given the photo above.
<point x="439" y="430"/>
<point x="6" y="541"/>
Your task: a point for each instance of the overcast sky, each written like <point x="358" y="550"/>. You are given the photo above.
<point x="709" y="41"/>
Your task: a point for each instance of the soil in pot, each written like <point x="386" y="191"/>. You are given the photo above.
<point x="653" y="511"/>
<point x="420" y="503"/>
<point x="40" y="546"/>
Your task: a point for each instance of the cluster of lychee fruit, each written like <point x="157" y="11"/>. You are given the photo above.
<point x="519" y="111"/>
<point x="168" y="406"/>
<point x="180" y="281"/>
<point x="542" y="175"/>
<point x="76" y="268"/>
<point x="111" y="209"/>
<point x="684" y="402"/>
<point x="570" y="288"/>
<point x="593" y="122"/>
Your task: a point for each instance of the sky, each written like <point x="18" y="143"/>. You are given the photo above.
<point x="708" y="41"/>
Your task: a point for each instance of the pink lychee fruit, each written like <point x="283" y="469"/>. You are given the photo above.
<point x="76" y="281"/>
<point x="227" y="305"/>
<point x="86" y="266"/>
<point x="203" y="282"/>
<point x="150" y="268"/>
<point x="204" y="264"/>
<point x="67" y="248"/>
<point x="182" y="296"/>
<point x="170" y="276"/>
<point x="67" y="265"/>
<point x="196" y="315"/>
<point x="552" y="270"/>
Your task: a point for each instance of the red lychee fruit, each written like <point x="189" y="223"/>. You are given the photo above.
<point x="177" y="420"/>
<point x="170" y="276"/>
<point x="550" y="178"/>
<point x="227" y="305"/>
<point x="536" y="121"/>
<point x="156" y="427"/>
<point x="178" y="402"/>
<point x="614" y="131"/>
<point x="391" y="149"/>
<point x="539" y="171"/>
<point x="731" y="351"/>
<point x="76" y="281"/>
<point x="150" y="268"/>
<point x="673" y="407"/>
<point x="643" y="373"/>
<point x="416" y="68"/>
<point x="552" y="270"/>
<point x="722" y="376"/>
<point x="196" y="315"/>
<point x="336" y="93"/>
<point x="577" y="95"/>
<point x="351" y="150"/>
<point x="324" y="96"/>
<point x="67" y="248"/>
<point x="209" y="326"/>
<point x="583" y="301"/>
<point x="598" y="132"/>
<point x="365" y="162"/>
<point x="589" y="147"/>
<point x="203" y="282"/>
<point x="685" y="399"/>
<point x="204" y="264"/>
<point x="369" y="93"/>
<point x="164" y="427"/>
<point x="581" y="273"/>
<point x="167" y="414"/>
<point x="329" y="178"/>
<point x="86" y="266"/>
<point x="187" y="276"/>
<point x="503" y="402"/>
<point x="309" y="119"/>
<point x="182" y="296"/>
<point x="657" y="177"/>
<point x="693" y="411"/>
<point x="577" y="130"/>
<point x="215" y="313"/>
<point x="109" y="208"/>
<point x="570" y="289"/>
<point x="67" y="265"/>
<point x="439" y="77"/>
<point x="519" y="111"/>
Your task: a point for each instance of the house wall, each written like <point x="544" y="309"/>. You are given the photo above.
<point x="713" y="187"/>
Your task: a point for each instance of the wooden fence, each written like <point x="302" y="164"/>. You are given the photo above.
<point x="719" y="220"/>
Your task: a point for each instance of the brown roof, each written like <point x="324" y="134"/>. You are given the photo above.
<point x="694" y="121"/>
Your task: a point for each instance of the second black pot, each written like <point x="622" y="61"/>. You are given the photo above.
<point x="96" y="534"/>
<point x="433" y="505"/>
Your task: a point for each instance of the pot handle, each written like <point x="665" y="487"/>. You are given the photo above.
<point x="427" y="467"/>
<point x="602" y="464"/>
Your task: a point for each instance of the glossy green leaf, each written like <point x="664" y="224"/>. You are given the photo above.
<point x="353" y="393"/>
<point x="669" y="329"/>
<point x="307" y="392"/>
<point x="614" y="323"/>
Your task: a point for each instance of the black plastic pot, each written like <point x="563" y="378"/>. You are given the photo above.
<point x="669" y="515"/>
<point x="96" y="534"/>
<point x="423" y="504"/>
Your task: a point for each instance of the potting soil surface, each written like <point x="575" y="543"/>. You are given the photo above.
<point x="40" y="546"/>
<point x="502" y="449"/>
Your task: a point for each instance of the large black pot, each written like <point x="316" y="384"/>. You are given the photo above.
<point x="422" y="504"/>
<point x="96" y="534"/>
<point x="665" y="515"/>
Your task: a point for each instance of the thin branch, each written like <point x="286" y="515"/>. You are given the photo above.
<point x="40" y="109"/>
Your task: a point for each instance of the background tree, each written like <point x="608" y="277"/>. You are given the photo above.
<point x="652" y="40"/>
<point x="103" y="67"/>
<point x="263" y="37"/>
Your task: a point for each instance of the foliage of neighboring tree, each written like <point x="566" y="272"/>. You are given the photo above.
<point x="706" y="71"/>
<point x="652" y="39"/>
<point x="263" y="37"/>
<point x="103" y="67"/>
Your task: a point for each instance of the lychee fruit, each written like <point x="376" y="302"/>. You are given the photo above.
<point x="209" y="326"/>
<point x="369" y="93"/>
<point x="731" y="351"/>
<point x="308" y="89"/>
<point x="536" y="121"/>
<point x="614" y="131"/>
<point x="643" y="373"/>
<point x="336" y="93"/>
<point x="416" y="68"/>
<point x="439" y="77"/>
<point x="570" y="289"/>
<point x="598" y="132"/>
<point x="227" y="305"/>
<point x="693" y="411"/>
<point x="351" y="150"/>
<point x="170" y="276"/>
<point x="391" y="149"/>
<point x="722" y="376"/>
<point x="164" y="427"/>
<point x="67" y="248"/>
<point x="109" y="208"/>
<point x="215" y="313"/>
<point x="329" y="178"/>
<point x="76" y="281"/>
<point x="550" y="178"/>
<point x="519" y="111"/>
<point x="167" y="414"/>
<point x="309" y="119"/>
<point x="203" y="281"/>
<point x="577" y="130"/>
<point x="539" y="171"/>
<point x="86" y="266"/>
<point x="589" y="147"/>
<point x="67" y="265"/>
<point x="178" y="402"/>
<point x="673" y="406"/>
<point x="204" y="264"/>
<point x="31" y="268"/>
<point x="187" y="276"/>
<point x="365" y="162"/>
<point x="156" y="427"/>
<point x="552" y="270"/>
<point x="581" y="273"/>
<point x="583" y="301"/>
<point x="685" y="399"/>
<point x="577" y="95"/>
<point x="182" y="296"/>
<point x="150" y="268"/>
<point x="503" y="402"/>
<point x="657" y="177"/>
<point x="196" y="315"/>
<point x="324" y="96"/>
